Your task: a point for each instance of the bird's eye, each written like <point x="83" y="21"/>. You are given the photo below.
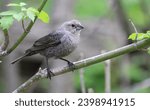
<point x="73" y="25"/>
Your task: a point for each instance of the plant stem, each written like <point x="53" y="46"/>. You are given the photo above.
<point x="6" y="41"/>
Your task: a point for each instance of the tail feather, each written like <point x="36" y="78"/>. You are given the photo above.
<point x="18" y="59"/>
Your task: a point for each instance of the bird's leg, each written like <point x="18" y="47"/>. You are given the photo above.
<point x="49" y="72"/>
<point x="70" y="64"/>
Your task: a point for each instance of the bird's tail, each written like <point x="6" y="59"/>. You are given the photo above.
<point x="18" y="59"/>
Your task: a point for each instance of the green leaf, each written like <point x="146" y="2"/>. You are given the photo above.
<point x="148" y="33"/>
<point x="142" y="36"/>
<point x="13" y="4"/>
<point x="6" y="22"/>
<point x="43" y="16"/>
<point x="31" y="15"/>
<point x="7" y="13"/>
<point x="139" y="36"/>
<point x="22" y="4"/>
<point x="33" y="10"/>
<point x="19" y="16"/>
<point x="132" y="36"/>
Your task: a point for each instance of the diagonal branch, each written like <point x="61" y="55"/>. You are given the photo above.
<point x="27" y="30"/>
<point x="41" y="74"/>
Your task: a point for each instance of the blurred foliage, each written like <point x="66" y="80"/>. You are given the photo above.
<point x="139" y="70"/>
<point x="87" y="9"/>
<point x="135" y="73"/>
<point x="146" y="90"/>
<point x="135" y="10"/>
<point x="93" y="76"/>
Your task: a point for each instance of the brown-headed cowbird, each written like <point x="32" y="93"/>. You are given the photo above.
<point x="57" y="44"/>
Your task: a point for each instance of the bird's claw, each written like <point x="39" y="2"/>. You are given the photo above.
<point x="71" y="66"/>
<point x="50" y="74"/>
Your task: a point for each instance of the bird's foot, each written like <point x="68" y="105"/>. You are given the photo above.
<point x="50" y="74"/>
<point x="71" y="66"/>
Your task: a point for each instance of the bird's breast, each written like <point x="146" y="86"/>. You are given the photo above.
<point x="67" y="46"/>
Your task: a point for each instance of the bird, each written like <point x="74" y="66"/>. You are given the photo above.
<point x="57" y="44"/>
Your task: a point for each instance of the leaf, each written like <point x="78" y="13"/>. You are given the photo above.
<point x="43" y="16"/>
<point x="140" y="36"/>
<point x="31" y="15"/>
<point x="22" y="4"/>
<point x="132" y="36"/>
<point x="19" y="16"/>
<point x="7" y="13"/>
<point x="6" y="22"/>
<point x="33" y="10"/>
<point x="148" y="33"/>
<point x="13" y="4"/>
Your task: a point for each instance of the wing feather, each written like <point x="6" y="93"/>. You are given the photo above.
<point x="50" y="40"/>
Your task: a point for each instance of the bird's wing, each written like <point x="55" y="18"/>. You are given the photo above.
<point x="50" y="40"/>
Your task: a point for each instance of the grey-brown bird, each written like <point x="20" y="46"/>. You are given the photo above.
<point x="57" y="44"/>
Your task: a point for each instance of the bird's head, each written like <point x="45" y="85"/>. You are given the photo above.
<point x="73" y="26"/>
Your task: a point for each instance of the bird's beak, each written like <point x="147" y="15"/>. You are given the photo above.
<point x="80" y="27"/>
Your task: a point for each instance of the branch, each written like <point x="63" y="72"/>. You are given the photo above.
<point x="108" y="76"/>
<point x="90" y="90"/>
<point x="27" y="30"/>
<point x="81" y="73"/>
<point x="6" y="41"/>
<point x="41" y="74"/>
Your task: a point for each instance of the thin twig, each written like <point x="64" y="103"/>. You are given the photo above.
<point x="82" y="84"/>
<point x="90" y="90"/>
<point x="134" y="29"/>
<point x="85" y="62"/>
<point x="81" y="72"/>
<point x="108" y="76"/>
<point x="5" y="43"/>
<point x="23" y="26"/>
